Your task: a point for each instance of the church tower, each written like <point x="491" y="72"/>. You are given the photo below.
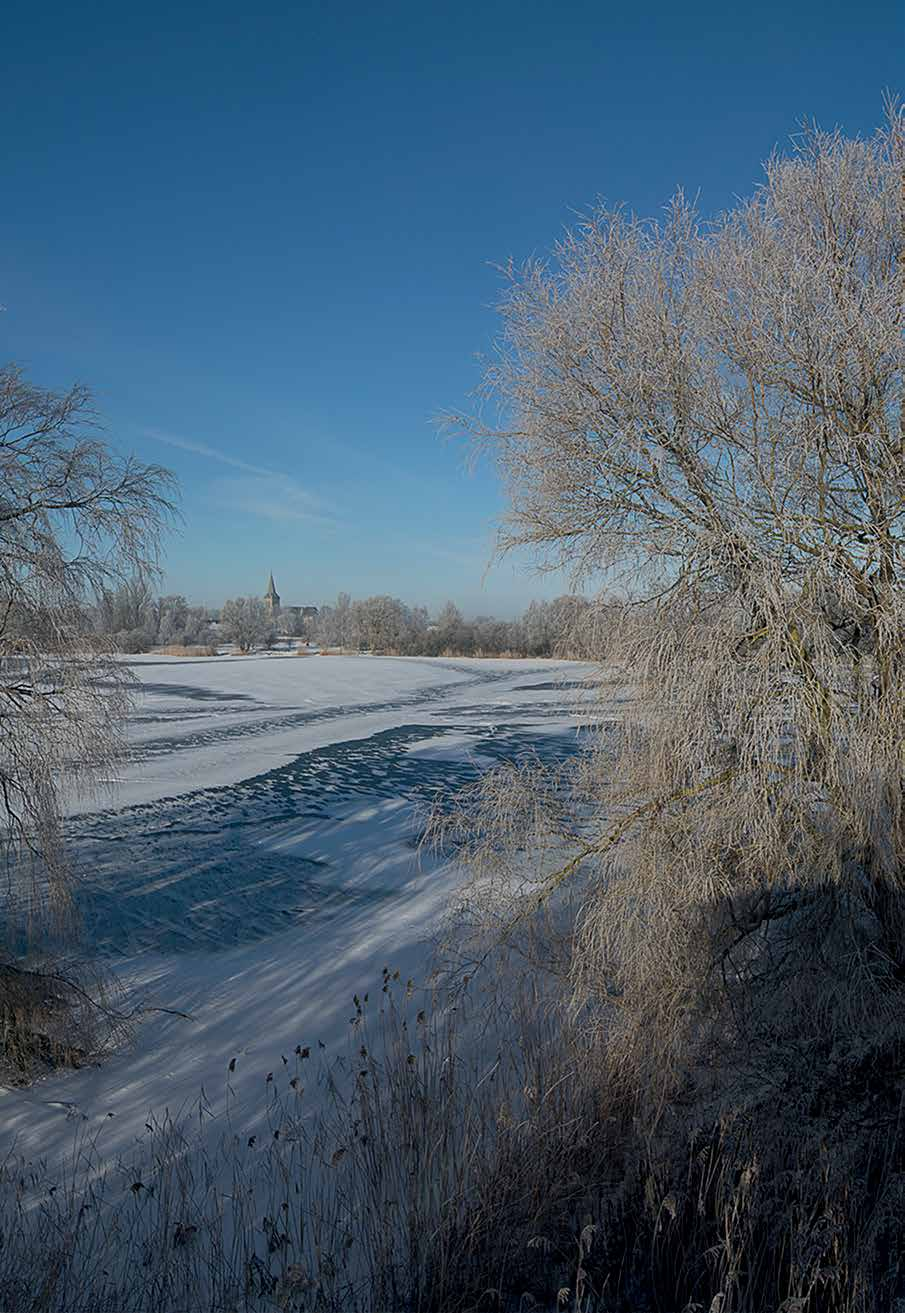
<point x="272" y="597"/>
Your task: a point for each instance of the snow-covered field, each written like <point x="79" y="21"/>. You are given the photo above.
<point x="257" y="863"/>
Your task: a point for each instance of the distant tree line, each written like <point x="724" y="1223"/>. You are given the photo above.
<point x="386" y="624"/>
<point x="138" y="621"/>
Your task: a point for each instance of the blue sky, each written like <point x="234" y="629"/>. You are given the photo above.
<point x="266" y="237"/>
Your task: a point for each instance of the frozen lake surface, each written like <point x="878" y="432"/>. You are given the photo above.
<point x="257" y="864"/>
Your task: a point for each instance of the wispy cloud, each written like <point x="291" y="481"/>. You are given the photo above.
<point x="203" y="449"/>
<point x="271" y="494"/>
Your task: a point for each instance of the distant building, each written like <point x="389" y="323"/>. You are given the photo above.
<point x="276" y="609"/>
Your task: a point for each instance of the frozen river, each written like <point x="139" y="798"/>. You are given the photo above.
<point x="257" y="862"/>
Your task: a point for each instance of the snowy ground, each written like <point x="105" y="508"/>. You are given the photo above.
<point x="257" y="864"/>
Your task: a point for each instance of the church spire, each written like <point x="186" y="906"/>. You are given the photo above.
<point x="272" y="597"/>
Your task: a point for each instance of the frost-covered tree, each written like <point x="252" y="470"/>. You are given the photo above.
<point x="342" y="621"/>
<point x="449" y="626"/>
<point x="716" y="413"/>
<point x="381" y="624"/>
<point x="419" y="619"/>
<point x="77" y="521"/>
<point x="333" y="625"/>
<point x="171" y="615"/>
<point x="181" y="624"/>
<point x="197" y="628"/>
<point x="128" y="613"/>
<point x="247" y="622"/>
<point x="538" y="629"/>
<point x="491" y="637"/>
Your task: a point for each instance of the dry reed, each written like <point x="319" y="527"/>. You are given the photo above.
<point x="186" y="650"/>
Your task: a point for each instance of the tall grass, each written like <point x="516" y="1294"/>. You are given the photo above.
<point x="448" y="1168"/>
